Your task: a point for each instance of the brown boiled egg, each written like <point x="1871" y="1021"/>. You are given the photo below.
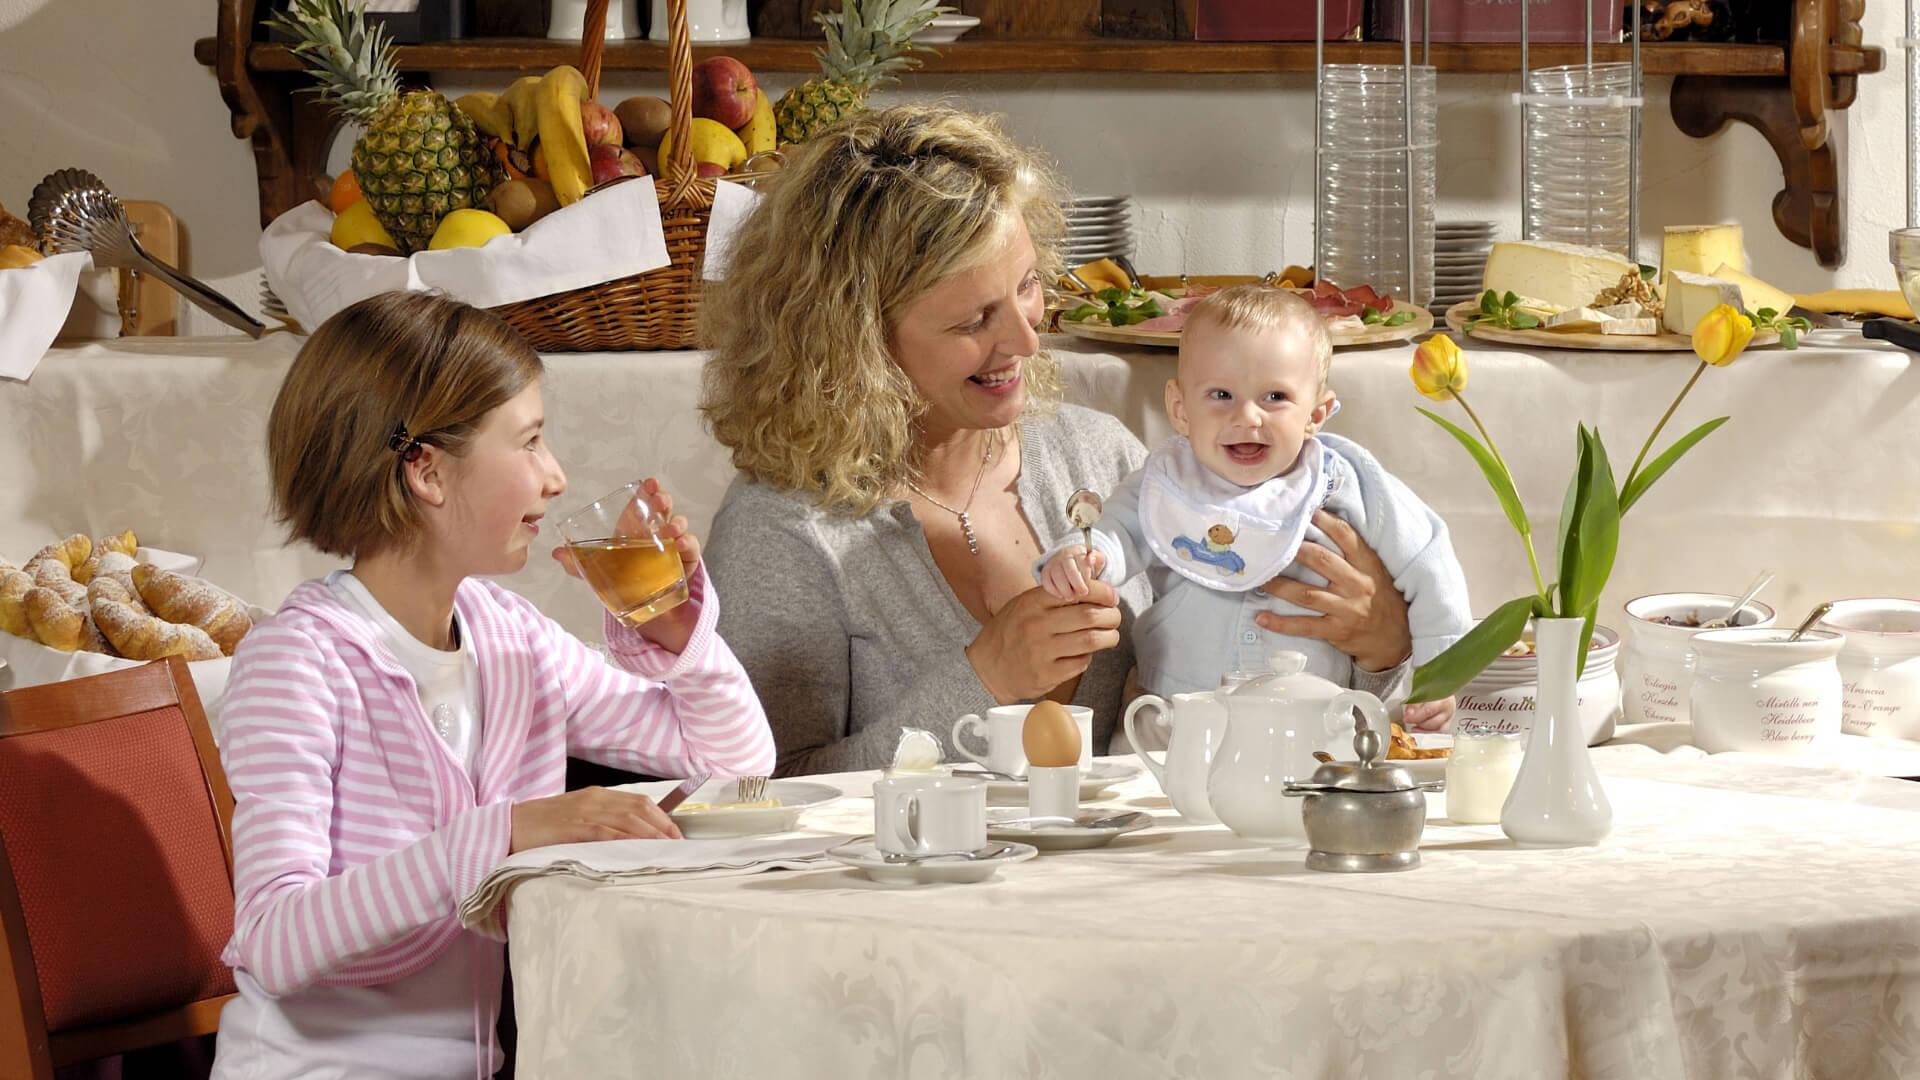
<point x="1050" y="737"/>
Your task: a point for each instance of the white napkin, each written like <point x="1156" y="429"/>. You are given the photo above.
<point x="628" y="862"/>
<point x="609" y="235"/>
<point x="34" y="301"/>
<point x="732" y="203"/>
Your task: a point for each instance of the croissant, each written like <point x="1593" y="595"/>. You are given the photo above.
<point x="139" y="636"/>
<point x="117" y="588"/>
<point x="13" y="608"/>
<point x="66" y="554"/>
<point x="61" y="625"/>
<point x="104" y="547"/>
<point x="181" y="599"/>
<point x="116" y="565"/>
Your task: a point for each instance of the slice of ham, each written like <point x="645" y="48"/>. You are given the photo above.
<point x="1175" y="317"/>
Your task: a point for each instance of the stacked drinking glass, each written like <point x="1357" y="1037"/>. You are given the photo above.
<point x="1364" y="183"/>
<point x="1579" y="156"/>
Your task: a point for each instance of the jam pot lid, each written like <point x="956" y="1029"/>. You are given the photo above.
<point x="1372" y="774"/>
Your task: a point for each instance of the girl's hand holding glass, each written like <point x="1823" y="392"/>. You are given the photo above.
<point x="636" y="553"/>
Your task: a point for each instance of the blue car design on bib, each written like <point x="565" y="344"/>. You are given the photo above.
<point x="1216" y="551"/>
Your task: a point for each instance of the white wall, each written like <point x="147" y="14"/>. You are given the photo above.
<point x="1220" y="166"/>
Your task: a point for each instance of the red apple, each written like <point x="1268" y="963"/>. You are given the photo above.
<point x="610" y="161"/>
<point x="709" y="168"/>
<point x="599" y="123"/>
<point x="723" y="90"/>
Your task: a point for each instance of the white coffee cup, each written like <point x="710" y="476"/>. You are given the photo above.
<point x="1005" y="752"/>
<point x="929" y="815"/>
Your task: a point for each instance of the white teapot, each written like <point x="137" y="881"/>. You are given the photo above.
<point x="1274" y="725"/>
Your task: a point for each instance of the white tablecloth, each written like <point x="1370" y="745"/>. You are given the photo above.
<point x="1747" y="918"/>
<point x="1816" y="477"/>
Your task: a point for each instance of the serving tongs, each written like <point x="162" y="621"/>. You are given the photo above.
<point x="71" y="210"/>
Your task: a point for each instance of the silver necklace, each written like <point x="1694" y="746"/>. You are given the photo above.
<point x="966" y="523"/>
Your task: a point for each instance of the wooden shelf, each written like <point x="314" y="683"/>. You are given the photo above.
<point x="990" y="56"/>
<point x="1785" y="91"/>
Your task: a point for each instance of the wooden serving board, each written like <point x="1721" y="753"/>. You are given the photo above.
<point x="1576" y="339"/>
<point x="1097" y="330"/>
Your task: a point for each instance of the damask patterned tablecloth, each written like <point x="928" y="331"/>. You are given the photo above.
<point x="1746" y="918"/>
<point x="1817" y="476"/>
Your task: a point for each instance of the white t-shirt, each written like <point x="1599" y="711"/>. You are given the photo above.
<point x="417" y="1027"/>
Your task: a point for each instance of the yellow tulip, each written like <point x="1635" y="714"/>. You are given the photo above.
<point x="1439" y="369"/>
<point x="1722" y="335"/>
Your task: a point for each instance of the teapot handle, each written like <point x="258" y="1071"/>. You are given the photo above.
<point x="1157" y="768"/>
<point x="1339" y="720"/>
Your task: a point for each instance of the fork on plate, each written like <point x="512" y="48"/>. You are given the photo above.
<point x="750" y="789"/>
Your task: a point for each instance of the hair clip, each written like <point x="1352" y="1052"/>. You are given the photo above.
<point x="404" y="444"/>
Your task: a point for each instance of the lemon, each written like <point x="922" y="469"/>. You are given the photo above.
<point x="467" y="228"/>
<point x="356" y="225"/>
<point x="711" y="141"/>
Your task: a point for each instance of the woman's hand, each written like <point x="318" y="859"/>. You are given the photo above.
<point x="594" y="813"/>
<point x="1361" y="611"/>
<point x="674" y="629"/>
<point x="1036" y="642"/>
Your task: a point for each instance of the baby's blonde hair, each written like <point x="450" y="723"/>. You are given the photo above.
<point x="1260" y="308"/>
<point x="802" y="384"/>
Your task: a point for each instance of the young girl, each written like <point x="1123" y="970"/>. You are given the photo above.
<point x="399" y="727"/>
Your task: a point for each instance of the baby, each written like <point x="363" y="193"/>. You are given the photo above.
<point x="1224" y="507"/>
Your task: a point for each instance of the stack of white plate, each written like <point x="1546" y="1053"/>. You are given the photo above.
<point x="1459" y="257"/>
<point x="1098" y="227"/>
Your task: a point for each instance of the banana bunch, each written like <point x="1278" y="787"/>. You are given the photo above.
<point x="543" y="109"/>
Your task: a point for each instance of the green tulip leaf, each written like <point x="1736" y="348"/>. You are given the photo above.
<point x="1658" y="466"/>
<point x="1495" y="472"/>
<point x="1567" y="547"/>
<point x="1598" y="530"/>
<point x="1445" y="674"/>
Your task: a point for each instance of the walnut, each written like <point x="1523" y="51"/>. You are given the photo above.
<point x="1633" y="289"/>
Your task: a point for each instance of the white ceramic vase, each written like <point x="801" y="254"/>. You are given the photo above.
<point x="1557" y="800"/>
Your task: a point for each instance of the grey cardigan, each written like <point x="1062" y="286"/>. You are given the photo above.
<point x="847" y="627"/>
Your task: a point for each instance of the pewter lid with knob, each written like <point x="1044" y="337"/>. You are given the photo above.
<point x="1371" y="773"/>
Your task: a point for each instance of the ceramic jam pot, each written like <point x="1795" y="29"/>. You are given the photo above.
<point x="1879" y="666"/>
<point x="1656" y="662"/>
<point x="1501" y="698"/>
<point x="1274" y="725"/>
<point x="1754" y="690"/>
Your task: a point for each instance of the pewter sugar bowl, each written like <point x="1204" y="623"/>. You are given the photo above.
<point x="1366" y="817"/>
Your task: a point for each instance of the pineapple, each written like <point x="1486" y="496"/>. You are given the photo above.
<point x="867" y="42"/>
<point x="419" y="158"/>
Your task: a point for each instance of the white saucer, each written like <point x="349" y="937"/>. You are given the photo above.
<point x="796" y="797"/>
<point x="863" y="856"/>
<point x="1099" y="776"/>
<point x="1063" y="834"/>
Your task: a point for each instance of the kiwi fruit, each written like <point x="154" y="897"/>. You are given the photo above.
<point x="643" y="120"/>
<point x="520" y="203"/>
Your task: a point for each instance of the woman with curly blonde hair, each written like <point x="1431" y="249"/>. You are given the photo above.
<point x="877" y="374"/>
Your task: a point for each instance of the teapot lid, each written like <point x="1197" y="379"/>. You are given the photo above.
<point x="1371" y="771"/>
<point x="1287" y="680"/>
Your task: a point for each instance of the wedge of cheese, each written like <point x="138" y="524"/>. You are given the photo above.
<point x="1691" y="296"/>
<point x="1563" y="275"/>
<point x="1857" y="301"/>
<point x="1702" y="249"/>
<point x="1614" y="319"/>
<point x="1757" y="294"/>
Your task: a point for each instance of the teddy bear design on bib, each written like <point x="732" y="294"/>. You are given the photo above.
<point x="1216" y="552"/>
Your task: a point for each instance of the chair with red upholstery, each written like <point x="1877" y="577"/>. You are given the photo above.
<point x="116" y="869"/>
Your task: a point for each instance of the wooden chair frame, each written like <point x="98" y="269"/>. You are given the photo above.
<point x="27" y="1049"/>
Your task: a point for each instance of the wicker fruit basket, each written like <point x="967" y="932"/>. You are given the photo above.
<point x="657" y="309"/>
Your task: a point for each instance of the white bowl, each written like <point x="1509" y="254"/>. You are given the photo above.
<point x="945" y="28"/>
<point x="1656" y="666"/>
<point x="1879" y="666"/>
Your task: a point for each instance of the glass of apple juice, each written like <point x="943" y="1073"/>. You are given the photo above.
<point x="616" y="542"/>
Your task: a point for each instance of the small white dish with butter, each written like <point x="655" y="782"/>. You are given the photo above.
<point x="715" y="810"/>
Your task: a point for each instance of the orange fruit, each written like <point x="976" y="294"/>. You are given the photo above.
<point x="346" y="191"/>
